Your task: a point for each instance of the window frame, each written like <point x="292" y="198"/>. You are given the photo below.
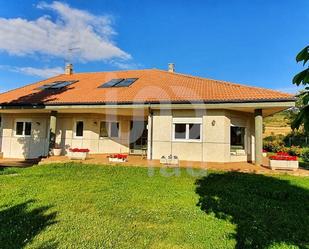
<point x="109" y="129"/>
<point x="187" y="122"/>
<point x="106" y="125"/>
<point x="23" y="121"/>
<point x="244" y="138"/>
<point x="75" y="129"/>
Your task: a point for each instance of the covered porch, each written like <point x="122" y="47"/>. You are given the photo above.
<point x="199" y="133"/>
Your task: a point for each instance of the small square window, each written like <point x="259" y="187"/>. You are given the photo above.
<point x="180" y="131"/>
<point x="23" y="128"/>
<point x="79" y="132"/>
<point x="114" y="129"/>
<point x="103" y="129"/>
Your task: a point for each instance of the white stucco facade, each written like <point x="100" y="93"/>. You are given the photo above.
<point x="213" y="144"/>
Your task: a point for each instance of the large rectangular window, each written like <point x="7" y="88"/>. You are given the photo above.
<point x="187" y="131"/>
<point x="109" y="129"/>
<point x="23" y="128"/>
<point x="237" y="138"/>
<point x="79" y="129"/>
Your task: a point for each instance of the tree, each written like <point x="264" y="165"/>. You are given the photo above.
<point x="302" y="78"/>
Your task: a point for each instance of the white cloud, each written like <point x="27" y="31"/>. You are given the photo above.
<point x="125" y="65"/>
<point x="39" y="72"/>
<point x="72" y="28"/>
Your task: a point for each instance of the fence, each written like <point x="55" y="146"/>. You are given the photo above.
<point x="297" y="141"/>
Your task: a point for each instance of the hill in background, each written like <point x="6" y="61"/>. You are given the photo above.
<point x="277" y="124"/>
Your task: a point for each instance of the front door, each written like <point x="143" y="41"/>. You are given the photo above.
<point x="138" y="137"/>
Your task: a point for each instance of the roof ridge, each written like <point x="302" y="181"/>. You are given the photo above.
<point x="145" y="69"/>
<point x="219" y="81"/>
<point x="37" y="82"/>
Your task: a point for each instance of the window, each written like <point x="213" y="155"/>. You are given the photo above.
<point x="187" y="131"/>
<point x="180" y="131"/>
<point x="114" y="129"/>
<point x="109" y="129"/>
<point x="103" y="129"/>
<point x="237" y="138"/>
<point x="194" y="131"/>
<point x="119" y="83"/>
<point x="23" y="128"/>
<point x="126" y="82"/>
<point x="27" y="128"/>
<point x="57" y="85"/>
<point x="79" y="130"/>
<point x="111" y="83"/>
<point x="19" y="128"/>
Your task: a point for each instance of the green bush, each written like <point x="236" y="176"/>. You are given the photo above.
<point x="295" y="151"/>
<point x="273" y="146"/>
<point x="305" y="155"/>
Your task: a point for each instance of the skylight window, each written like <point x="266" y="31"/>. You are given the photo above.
<point x="126" y="82"/>
<point x="119" y="83"/>
<point x="57" y="85"/>
<point x="111" y="83"/>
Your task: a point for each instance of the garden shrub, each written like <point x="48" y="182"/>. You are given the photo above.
<point x="305" y="155"/>
<point x="295" y="151"/>
<point x="273" y="146"/>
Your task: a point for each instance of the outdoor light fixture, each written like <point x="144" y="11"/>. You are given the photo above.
<point x="38" y="123"/>
<point x="213" y="123"/>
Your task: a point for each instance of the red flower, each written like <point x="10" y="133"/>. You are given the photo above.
<point x="119" y="156"/>
<point x="79" y="150"/>
<point x="283" y="156"/>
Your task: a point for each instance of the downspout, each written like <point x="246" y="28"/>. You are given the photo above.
<point x="151" y="131"/>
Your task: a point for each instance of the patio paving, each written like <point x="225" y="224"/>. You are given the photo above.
<point x="18" y="163"/>
<point x="138" y="161"/>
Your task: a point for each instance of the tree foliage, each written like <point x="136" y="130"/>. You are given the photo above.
<point x="302" y="78"/>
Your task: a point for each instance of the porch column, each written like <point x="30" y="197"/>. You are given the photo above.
<point x="258" y="136"/>
<point x="52" y="129"/>
<point x="149" y="135"/>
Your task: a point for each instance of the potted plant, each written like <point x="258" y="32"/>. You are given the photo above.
<point x="57" y="150"/>
<point x="118" y="158"/>
<point x="283" y="160"/>
<point x="78" y="154"/>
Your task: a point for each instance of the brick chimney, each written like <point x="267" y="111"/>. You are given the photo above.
<point x="69" y="69"/>
<point x="171" y="67"/>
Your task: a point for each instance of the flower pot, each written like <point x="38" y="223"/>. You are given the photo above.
<point x="283" y="164"/>
<point x="78" y="155"/>
<point x="57" y="152"/>
<point x="118" y="160"/>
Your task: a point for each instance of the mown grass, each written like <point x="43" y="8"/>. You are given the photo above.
<point x="88" y="206"/>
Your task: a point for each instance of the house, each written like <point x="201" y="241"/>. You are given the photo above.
<point x="138" y="111"/>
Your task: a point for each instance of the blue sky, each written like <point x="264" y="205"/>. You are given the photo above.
<point x="251" y="42"/>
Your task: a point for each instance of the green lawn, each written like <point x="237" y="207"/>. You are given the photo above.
<point x="88" y="206"/>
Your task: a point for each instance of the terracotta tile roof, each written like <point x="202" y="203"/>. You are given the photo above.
<point x="153" y="85"/>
